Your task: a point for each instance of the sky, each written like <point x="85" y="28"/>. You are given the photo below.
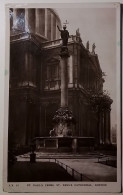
<point x="97" y="25"/>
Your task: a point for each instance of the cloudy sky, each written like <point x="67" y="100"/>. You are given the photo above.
<point x="98" y="25"/>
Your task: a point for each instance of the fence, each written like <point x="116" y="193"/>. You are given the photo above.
<point x="107" y="160"/>
<point x="75" y="174"/>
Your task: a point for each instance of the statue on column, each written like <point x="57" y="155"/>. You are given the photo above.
<point x="64" y="35"/>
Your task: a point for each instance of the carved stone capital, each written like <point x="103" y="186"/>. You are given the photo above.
<point x="64" y="52"/>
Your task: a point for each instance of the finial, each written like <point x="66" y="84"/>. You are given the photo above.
<point x="66" y="22"/>
<point x="93" y="48"/>
<point x="77" y="32"/>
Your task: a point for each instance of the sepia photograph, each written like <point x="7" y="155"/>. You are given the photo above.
<point x="63" y="119"/>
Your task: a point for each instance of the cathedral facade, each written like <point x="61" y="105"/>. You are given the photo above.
<point x="35" y="81"/>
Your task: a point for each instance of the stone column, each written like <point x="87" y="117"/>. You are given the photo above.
<point x="48" y="25"/>
<point x="37" y="20"/>
<point x="64" y="82"/>
<point x="57" y="35"/>
<point x="45" y="22"/>
<point x="14" y="18"/>
<point x="27" y="20"/>
<point x="101" y="128"/>
<point x="25" y="78"/>
<point x="27" y="121"/>
<point x="40" y="119"/>
<point x="51" y="27"/>
<point x="74" y="145"/>
<point x="109" y="128"/>
<point x="64" y="119"/>
<point x="105" y="127"/>
<point x="70" y="72"/>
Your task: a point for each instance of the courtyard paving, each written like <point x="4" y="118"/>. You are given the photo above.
<point x="87" y="165"/>
<point x="24" y="171"/>
<point x="92" y="169"/>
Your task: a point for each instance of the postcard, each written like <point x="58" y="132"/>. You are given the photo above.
<point x="62" y="128"/>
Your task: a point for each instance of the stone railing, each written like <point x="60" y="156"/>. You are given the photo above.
<point x="56" y="42"/>
<point x="19" y="36"/>
<point x="46" y="44"/>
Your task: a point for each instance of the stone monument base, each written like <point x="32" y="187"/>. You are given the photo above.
<point x="64" y="144"/>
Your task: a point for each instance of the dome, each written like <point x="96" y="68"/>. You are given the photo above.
<point x="40" y="21"/>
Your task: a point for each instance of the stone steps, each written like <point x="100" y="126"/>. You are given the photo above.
<point x="62" y="156"/>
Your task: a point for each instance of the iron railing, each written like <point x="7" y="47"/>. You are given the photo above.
<point x="75" y="174"/>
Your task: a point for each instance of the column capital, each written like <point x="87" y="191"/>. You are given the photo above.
<point x="64" y="53"/>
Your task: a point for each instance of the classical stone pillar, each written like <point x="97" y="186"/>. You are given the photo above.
<point x="40" y="119"/>
<point x="26" y="20"/>
<point x="70" y="71"/>
<point x="27" y="121"/>
<point x="105" y="127"/>
<point x="37" y="21"/>
<point x="26" y="61"/>
<point x="54" y="27"/>
<point x="57" y="32"/>
<point x="99" y="128"/>
<point x="74" y="145"/>
<point x="14" y="18"/>
<point x="51" y="27"/>
<point x="101" y="134"/>
<point x="64" y="82"/>
<point x="45" y="22"/>
<point x="64" y="119"/>
<point x="48" y="25"/>
<point x="109" y="127"/>
<point x="25" y="77"/>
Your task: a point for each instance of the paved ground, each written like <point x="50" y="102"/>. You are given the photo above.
<point x="39" y="171"/>
<point x="86" y="164"/>
<point x="92" y="169"/>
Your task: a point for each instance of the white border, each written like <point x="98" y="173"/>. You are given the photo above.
<point x="111" y="186"/>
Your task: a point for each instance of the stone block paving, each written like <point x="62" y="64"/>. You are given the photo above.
<point x="92" y="169"/>
<point x="86" y="164"/>
<point x="24" y="171"/>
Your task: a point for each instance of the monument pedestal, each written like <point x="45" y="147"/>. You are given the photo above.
<point x="64" y="144"/>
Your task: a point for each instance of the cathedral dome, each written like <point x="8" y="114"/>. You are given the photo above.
<point x="40" y="21"/>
